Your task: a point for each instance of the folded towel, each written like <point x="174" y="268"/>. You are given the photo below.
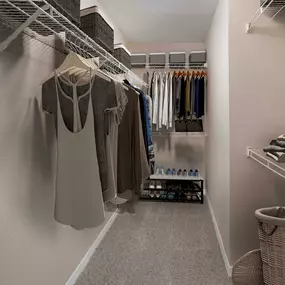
<point x="281" y="138"/>
<point x="277" y="156"/>
<point x="274" y="148"/>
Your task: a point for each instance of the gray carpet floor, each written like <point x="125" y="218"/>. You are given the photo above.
<point x="162" y="243"/>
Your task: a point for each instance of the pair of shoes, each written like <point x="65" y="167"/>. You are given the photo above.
<point x="193" y="173"/>
<point x="168" y="172"/>
<point x="159" y="171"/>
<point x="152" y="186"/>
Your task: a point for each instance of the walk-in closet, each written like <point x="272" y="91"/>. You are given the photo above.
<point x="142" y="142"/>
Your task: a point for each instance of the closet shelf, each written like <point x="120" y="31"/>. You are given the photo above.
<point x="179" y="134"/>
<point x="273" y="7"/>
<point x="171" y="66"/>
<point x="40" y="20"/>
<point x="260" y="157"/>
<point x="175" y="177"/>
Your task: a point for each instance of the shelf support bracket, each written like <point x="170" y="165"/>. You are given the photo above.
<point x="248" y="150"/>
<point x="19" y="30"/>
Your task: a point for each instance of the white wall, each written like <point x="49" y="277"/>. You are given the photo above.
<point x="257" y="99"/>
<point x="218" y="153"/>
<point x="34" y="249"/>
<point x="119" y="38"/>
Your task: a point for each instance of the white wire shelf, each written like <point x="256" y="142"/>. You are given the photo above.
<point x="175" y="177"/>
<point x="260" y="157"/>
<point x="181" y="66"/>
<point x="39" y="20"/>
<point x="179" y="134"/>
<point x="272" y="7"/>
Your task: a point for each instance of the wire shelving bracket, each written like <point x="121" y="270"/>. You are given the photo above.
<point x="262" y="159"/>
<point x="39" y="19"/>
<point x="274" y="6"/>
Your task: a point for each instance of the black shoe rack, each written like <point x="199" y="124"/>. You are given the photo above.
<point x="173" y="189"/>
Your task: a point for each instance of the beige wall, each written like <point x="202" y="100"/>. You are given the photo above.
<point x="34" y="249"/>
<point x="218" y="153"/>
<point x="256" y="116"/>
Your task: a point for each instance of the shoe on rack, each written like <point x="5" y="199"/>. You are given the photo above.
<point x="157" y="171"/>
<point x="158" y="185"/>
<point x="184" y="173"/>
<point x="196" y="173"/>
<point x="151" y="185"/>
<point x="179" y="173"/>
<point x="151" y="194"/>
<point x="174" y="171"/>
<point x="190" y="173"/>
<point x="158" y="194"/>
<point x="168" y="171"/>
<point x="162" y="171"/>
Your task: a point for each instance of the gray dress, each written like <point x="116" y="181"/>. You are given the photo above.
<point x="79" y="201"/>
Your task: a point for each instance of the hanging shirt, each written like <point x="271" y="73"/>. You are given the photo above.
<point x="160" y="106"/>
<point x="197" y="85"/>
<point x="170" y="104"/>
<point x="178" y="94"/>
<point x="155" y="99"/>
<point x="165" y="102"/>
<point x="192" y="112"/>
<point x="201" y="100"/>
<point x="182" y="98"/>
<point x="187" y="96"/>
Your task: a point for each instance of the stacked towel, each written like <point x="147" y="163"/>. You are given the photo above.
<point x="276" y="149"/>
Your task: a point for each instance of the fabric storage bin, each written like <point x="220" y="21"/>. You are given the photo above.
<point x="157" y="60"/>
<point x="68" y="8"/>
<point x="177" y="59"/>
<point x="94" y="25"/>
<point x="198" y="57"/>
<point x="271" y="229"/>
<point x="123" y="56"/>
<point x="138" y="60"/>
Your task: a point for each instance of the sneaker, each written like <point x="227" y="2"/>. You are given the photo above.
<point x="184" y="173"/>
<point x="196" y="173"/>
<point x="162" y="171"/>
<point x="157" y="171"/>
<point x="179" y="173"/>
<point x="158" y="194"/>
<point x="151" y="194"/>
<point x="190" y="173"/>
<point x="174" y="171"/>
<point x="158" y="185"/>
<point x="168" y="171"/>
<point x="151" y="186"/>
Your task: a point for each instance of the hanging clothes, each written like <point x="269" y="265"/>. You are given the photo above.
<point x="79" y="201"/>
<point x="192" y="92"/>
<point x="170" y="104"/>
<point x="188" y="96"/>
<point x="178" y="94"/>
<point x="104" y="97"/>
<point x="161" y="98"/>
<point x="197" y="85"/>
<point x="201" y="98"/>
<point x="165" y="102"/>
<point x="182" y="98"/>
<point x="155" y="98"/>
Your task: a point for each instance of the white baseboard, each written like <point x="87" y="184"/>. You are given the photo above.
<point x="220" y="240"/>
<point x="72" y="280"/>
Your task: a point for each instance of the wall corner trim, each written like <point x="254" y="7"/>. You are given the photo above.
<point x="75" y="275"/>
<point x="229" y="268"/>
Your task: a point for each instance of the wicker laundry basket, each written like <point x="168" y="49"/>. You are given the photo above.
<point x="271" y="226"/>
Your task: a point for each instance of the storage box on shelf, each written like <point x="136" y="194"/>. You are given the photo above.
<point x="138" y="60"/>
<point x="177" y="59"/>
<point x="123" y="55"/>
<point x="94" y="25"/>
<point x="69" y="8"/>
<point x="197" y="57"/>
<point x="157" y="60"/>
<point x="173" y="188"/>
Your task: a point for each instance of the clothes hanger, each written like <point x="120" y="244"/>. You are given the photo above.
<point x="74" y="63"/>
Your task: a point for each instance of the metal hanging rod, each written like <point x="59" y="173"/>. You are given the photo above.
<point x="39" y="19"/>
<point x="272" y="6"/>
<point x="169" y="66"/>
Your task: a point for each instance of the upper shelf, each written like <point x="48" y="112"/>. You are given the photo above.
<point x="272" y="6"/>
<point x="260" y="157"/>
<point x="39" y="19"/>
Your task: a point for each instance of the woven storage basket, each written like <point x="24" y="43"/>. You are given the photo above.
<point x="271" y="228"/>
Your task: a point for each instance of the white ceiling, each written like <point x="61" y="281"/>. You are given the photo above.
<point x="161" y="20"/>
